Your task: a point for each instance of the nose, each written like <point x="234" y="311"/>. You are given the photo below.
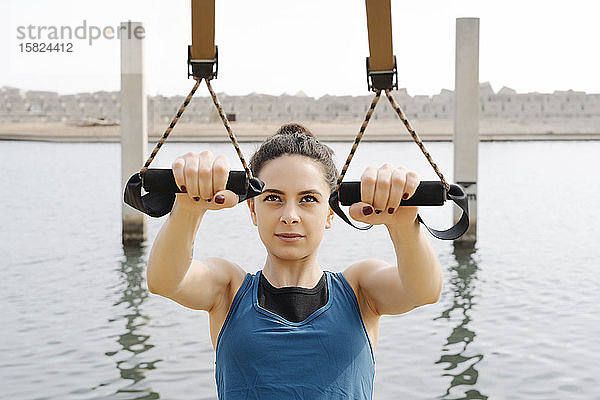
<point x="289" y="215"/>
<point x="289" y="220"/>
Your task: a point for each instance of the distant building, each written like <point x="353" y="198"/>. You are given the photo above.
<point x="17" y="105"/>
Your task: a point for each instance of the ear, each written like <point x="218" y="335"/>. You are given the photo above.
<point x="250" y="203"/>
<point x="329" y="221"/>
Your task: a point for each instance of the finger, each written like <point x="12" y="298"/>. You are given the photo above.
<point x="190" y="171"/>
<point x="177" y="168"/>
<point x="398" y="184"/>
<point x="205" y="183"/>
<point x="362" y="212"/>
<point x="367" y="185"/>
<point x="382" y="187"/>
<point x="223" y="198"/>
<point x="220" y="173"/>
<point x="412" y="183"/>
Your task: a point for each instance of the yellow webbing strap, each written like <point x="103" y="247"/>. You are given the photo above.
<point x="379" y="24"/>
<point x="203" y="30"/>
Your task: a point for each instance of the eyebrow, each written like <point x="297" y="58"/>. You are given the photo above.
<point x="309" y="191"/>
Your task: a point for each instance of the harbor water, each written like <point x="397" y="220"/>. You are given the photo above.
<point x="519" y="316"/>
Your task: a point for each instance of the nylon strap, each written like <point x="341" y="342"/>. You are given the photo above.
<point x="457" y="195"/>
<point x="203" y="30"/>
<point x="379" y="25"/>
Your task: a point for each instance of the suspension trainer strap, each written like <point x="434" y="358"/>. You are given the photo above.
<point x="334" y="198"/>
<point x="203" y="54"/>
<point x="203" y="30"/>
<point x="157" y="204"/>
<point x="416" y="139"/>
<point x="154" y="204"/>
<point x="358" y="138"/>
<point x="203" y="63"/>
<point x="457" y="195"/>
<point x="203" y="59"/>
<point x="228" y="128"/>
<point x="453" y="192"/>
<point x="379" y="26"/>
<point x="381" y="65"/>
<point x="382" y="74"/>
<point x="170" y="128"/>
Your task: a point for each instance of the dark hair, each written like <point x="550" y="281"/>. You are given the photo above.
<point x="295" y="138"/>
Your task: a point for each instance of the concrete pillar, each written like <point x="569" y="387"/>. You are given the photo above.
<point x="134" y="123"/>
<point x="466" y="117"/>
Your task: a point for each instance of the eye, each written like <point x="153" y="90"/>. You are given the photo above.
<point x="314" y="199"/>
<point x="308" y="198"/>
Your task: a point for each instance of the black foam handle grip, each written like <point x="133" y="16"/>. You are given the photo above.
<point x="159" y="180"/>
<point x="428" y="193"/>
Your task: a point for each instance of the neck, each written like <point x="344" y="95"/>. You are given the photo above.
<point x="300" y="273"/>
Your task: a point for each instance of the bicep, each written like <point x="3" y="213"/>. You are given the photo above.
<point x="204" y="284"/>
<point x="380" y="283"/>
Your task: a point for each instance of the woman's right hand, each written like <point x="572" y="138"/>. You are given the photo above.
<point x="203" y="178"/>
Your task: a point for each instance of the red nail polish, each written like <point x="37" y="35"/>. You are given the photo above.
<point x="183" y="189"/>
<point x="219" y="199"/>
<point x="367" y="210"/>
<point x="391" y="210"/>
<point x="405" y="196"/>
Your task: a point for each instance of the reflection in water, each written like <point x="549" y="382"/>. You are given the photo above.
<point x="460" y="362"/>
<point x="128" y="358"/>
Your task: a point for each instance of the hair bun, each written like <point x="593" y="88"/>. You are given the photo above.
<point x="293" y="127"/>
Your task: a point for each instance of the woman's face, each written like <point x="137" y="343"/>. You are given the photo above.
<point x="294" y="200"/>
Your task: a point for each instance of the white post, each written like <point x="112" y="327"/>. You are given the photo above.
<point x="466" y="117"/>
<point x="134" y="123"/>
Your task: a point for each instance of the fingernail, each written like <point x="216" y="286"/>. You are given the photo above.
<point x="377" y="211"/>
<point x="391" y="210"/>
<point x="196" y="198"/>
<point x="219" y="199"/>
<point x="367" y="210"/>
<point x="405" y="196"/>
<point x="183" y="189"/>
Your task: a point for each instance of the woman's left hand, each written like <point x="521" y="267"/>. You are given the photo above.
<point x="382" y="191"/>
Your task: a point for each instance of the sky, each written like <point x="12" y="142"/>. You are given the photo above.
<point x="318" y="47"/>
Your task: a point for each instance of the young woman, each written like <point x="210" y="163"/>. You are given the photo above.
<point x="292" y="330"/>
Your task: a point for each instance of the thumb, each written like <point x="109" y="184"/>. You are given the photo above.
<point x="230" y="199"/>
<point x="357" y="213"/>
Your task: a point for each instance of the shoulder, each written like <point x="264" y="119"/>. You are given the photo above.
<point x="358" y="275"/>
<point x="357" y="272"/>
<point x="207" y="283"/>
<point x="227" y="271"/>
<point x="230" y="278"/>
<point x="378" y="285"/>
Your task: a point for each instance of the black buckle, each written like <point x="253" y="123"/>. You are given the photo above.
<point x="203" y="69"/>
<point x="382" y="80"/>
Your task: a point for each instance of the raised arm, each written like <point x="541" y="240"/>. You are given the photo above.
<point x="416" y="279"/>
<point x="171" y="270"/>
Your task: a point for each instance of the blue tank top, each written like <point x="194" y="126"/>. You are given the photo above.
<point x="261" y="355"/>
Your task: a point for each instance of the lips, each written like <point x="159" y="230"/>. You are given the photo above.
<point x="289" y="235"/>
